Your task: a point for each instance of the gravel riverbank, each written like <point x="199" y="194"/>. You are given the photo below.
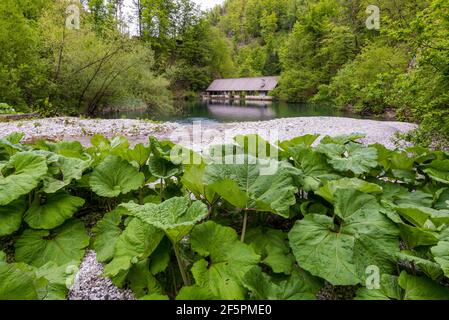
<point x="200" y="135"/>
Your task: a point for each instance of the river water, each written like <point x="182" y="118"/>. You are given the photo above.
<point x="221" y="112"/>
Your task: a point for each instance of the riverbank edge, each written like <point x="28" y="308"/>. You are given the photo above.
<point x="138" y="131"/>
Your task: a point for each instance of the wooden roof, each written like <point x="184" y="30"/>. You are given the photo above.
<point x="244" y="84"/>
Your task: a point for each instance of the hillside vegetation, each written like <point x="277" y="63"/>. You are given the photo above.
<point x="322" y="49"/>
<point x="325" y="53"/>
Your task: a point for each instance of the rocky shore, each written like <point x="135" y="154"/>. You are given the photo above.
<point x="201" y="134"/>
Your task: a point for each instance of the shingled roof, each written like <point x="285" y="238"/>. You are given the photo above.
<point x="244" y="84"/>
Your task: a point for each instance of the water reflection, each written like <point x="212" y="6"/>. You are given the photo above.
<point x="233" y="111"/>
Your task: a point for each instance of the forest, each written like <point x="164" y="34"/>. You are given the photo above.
<point x="322" y="50"/>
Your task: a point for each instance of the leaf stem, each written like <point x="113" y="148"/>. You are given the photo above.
<point x="185" y="279"/>
<point x="245" y="223"/>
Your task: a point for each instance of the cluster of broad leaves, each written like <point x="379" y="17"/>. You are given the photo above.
<point x="236" y="223"/>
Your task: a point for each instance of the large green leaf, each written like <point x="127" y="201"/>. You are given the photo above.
<point x="50" y="211"/>
<point x="351" y="157"/>
<point x="443" y="200"/>
<point x="228" y="260"/>
<point x="441" y="255"/>
<point x="107" y="232"/>
<point x="299" y="286"/>
<point x="415" y="237"/>
<point x="142" y="282"/>
<point x="428" y="267"/>
<point x="195" y="293"/>
<point x="137" y="242"/>
<point x="160" y="163"/>
<point x="438" y="170"/>
<point x="69" y="149"/>
<point x="18" y="282"/>
<point x="139" y="155"/>
<point x="62" y="171"/>
<point x="244" y="186"/>
<point x="115" y="176"/>
<point x="401" y="196"/>
<point x="20" y="175"/>
<point x="389" y="290"/>
<point x="61" y="246"/>
<point x="341" y="253"/>
<point x="306" y="140"/>
<point x="11" y="217"/>
<point x="328" y="190"/>
<point x="176" y="216"/>
<point x="322" y="251"/>
<point x="59" y="279"/>
<point x="272" y="246"/>
<point x="314" y="166"/>
<point x="193" y="180"/>
<point x="421" y="288"/>
<point x="103" y="147"/>
<point x="422" y="216"/>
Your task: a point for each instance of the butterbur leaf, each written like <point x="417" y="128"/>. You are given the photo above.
<point x="62" y="171"/>
<point x="103" y="147"/>
<point x="160" y="163"/>
<point x="18" y="282"/>
<point x="228" y="260"/>
<point x="193" y="180"/>
<point x="401" y="196"/>
<point x="351" y="157"/>
<point x="441" y="255"/>
<point x="246" y="187"/>
<point x="69" y="149"/>
<point x="341" y="253"/>
<point x="306" y="140"/>
<point x="421" y="288"/>
<point x="256" y="146"/>
<point x="272" y="246"/>
<point x="141" y="281"/>
<point x="20" y="175"/>
<point x="439" y="171"/>
<point x="59" y="278"/>
<point x="323" y="252"/>
<point x="388" y="290"/>
<point x="160" y="259"/>
<point x="107" y="232"/>
<point x="15" y="137"/>
<point x="428" y="267"/>
<point x="53" y="211"/>
<point x="195" y="293"/>
<point x="420" y="216"/>
<point x="415" y="237"/>
<point x="443" y="200"/>
<point x="176" y="216"/>
<point x="343" y="139"/>
<point x="299" y="286"/>
<point x="61" y="246"/>
<point x="115" y="176"/>
<point x="328" y="190"/>
<point x="313" y="165"/>
<point x="11" y="217"/>
<point x="137" y="242"/>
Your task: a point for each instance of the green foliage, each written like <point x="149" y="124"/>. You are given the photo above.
<point x="55" y="70"/>
<point x="365" y="83"/>
<point x="334" y="212"/>
<point x="325" y="54"/>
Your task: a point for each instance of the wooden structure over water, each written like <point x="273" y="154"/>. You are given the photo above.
<point x="242" y="88"/>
